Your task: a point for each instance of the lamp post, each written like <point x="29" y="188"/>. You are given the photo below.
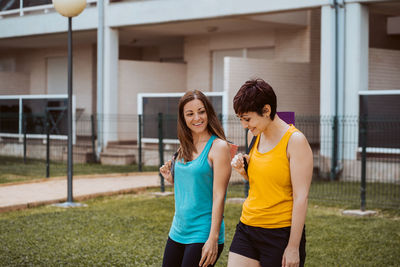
<point x="69" y="9"/>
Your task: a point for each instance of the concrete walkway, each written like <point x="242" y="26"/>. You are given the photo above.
<point x="42" y="192"/>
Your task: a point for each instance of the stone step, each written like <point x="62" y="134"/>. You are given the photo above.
<point x="117" y="158"/>
<point x="131" y="149"/>
<point x="84" y="140"/>
<point x="79" y="156"/>
<point x="79" y="148"/>
<point x="122" y="142"/>
<point x="83" y="143"/>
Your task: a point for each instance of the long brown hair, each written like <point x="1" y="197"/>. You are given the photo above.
<point x="185" y="134"/>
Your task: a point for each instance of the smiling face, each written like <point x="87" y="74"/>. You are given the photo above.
<point x="195" y="116"/>
<point x="255" y="122"/>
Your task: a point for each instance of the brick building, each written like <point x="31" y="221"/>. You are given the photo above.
<point x="162" y="46"/>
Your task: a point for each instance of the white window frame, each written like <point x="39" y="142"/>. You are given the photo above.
<point x="140" y="97"/>
<point x="20" y="134"/>
<point x="383" y="150"/>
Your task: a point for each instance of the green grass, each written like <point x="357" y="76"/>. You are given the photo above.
<point x="131" y="230"/>
<point x="378" y="195"/>
<point x="347" y="194"/>
<point x="12" y="169"/>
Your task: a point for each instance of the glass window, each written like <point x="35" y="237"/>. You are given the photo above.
<point x="29" y="3"/>
<point x="9" y="112"/>
<point x="168" y="106"/>
<point x="36" y="110"/>
<point x="7" y="64"/>
<point x="383" y="122"/>
<point x="9" y="5"/>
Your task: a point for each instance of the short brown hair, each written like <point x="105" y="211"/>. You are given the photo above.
<point x="253" y="96"/>
<point x="184" y="133"/>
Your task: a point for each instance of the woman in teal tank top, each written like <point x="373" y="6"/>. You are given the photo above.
<point x="201" y="175"/>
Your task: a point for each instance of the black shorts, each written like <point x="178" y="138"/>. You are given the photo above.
<point x="264" y="245"/>
<point x="185" y="255"/>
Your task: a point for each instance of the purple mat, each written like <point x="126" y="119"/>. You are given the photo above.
<point x="286" y="116"/>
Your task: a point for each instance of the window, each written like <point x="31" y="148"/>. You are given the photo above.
<point x="218" y="61"/>
<point x="150" y="105"/>
<point x="30" y="113"/>
<point x="218" y="66"/>
<point x="7" y="64"/>
<point x="381" y="110"/>
<point x="57" y="79"/>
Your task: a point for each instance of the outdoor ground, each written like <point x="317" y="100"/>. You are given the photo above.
<point x="131" y="230"/>
<point x="13" y="169"/>
<point x="379" y="195"/>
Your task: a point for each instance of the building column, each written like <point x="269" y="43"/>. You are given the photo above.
<point x="356" y="70"/>
<point x="99" y="77"/>
<point x="356" y="61"/>
<point x="110" y="93"/>
<point x="332" y="86"/>
<point x="327" y="86"/>
<point x="328" y="54"/>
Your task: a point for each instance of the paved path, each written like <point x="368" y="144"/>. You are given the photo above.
<point x="31" y="194"/>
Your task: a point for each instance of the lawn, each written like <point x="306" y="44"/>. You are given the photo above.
<point x="131" y="230"/>
<point x="347" y="194"/>
<point x="379" y="195"/>
<point x="12" y="169"/>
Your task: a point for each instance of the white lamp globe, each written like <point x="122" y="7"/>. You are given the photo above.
<point x="69" y="8"/>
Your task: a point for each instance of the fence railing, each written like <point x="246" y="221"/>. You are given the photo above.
<point x="367" y="161"/>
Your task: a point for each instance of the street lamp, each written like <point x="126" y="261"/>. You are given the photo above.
<point x="69" y="8"/>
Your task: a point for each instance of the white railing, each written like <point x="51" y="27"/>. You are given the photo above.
<point x="21" y="11"/>
<point x="140" y="109"/>
<point x="20" y="133"/>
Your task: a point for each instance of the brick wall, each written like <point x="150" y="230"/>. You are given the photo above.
<point x="33" y="63"/>
<point x="292" y="45"/>
<point x="145" y="77"/>
<point x="198" y="52"/>
<point x="384" y="69"/>
<point x="14" y="83"/>
<point x="247" y="39"/>
<point x="197" y="55"/>
<point x="291" y="82"/>
<point x="315" y="56"/>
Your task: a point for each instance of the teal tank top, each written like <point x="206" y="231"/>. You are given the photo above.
<point x="193" y="184"/>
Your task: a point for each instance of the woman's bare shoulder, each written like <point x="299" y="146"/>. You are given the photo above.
<point x="220" y="144"/>
<point x="219" y="147"/>
<point x="298" y="143"/>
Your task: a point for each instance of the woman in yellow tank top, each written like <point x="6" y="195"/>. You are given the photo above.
<point x="271" y="229"/>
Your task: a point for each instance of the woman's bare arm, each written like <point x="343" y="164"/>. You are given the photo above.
<point x="220" y="157"/>
<point x="301" y="167"/>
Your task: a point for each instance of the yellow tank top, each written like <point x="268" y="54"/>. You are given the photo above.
<point x="270" y="200"/>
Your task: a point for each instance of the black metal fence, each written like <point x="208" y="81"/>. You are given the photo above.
<point x="361" y="167"/>
<point x="356" y="161"/>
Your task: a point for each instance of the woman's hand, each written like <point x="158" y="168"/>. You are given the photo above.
<point x="209" y="253"/>
<point x="165" y="171"/>
<point x="238" y="164"/>
<point x="291" y="257"/>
